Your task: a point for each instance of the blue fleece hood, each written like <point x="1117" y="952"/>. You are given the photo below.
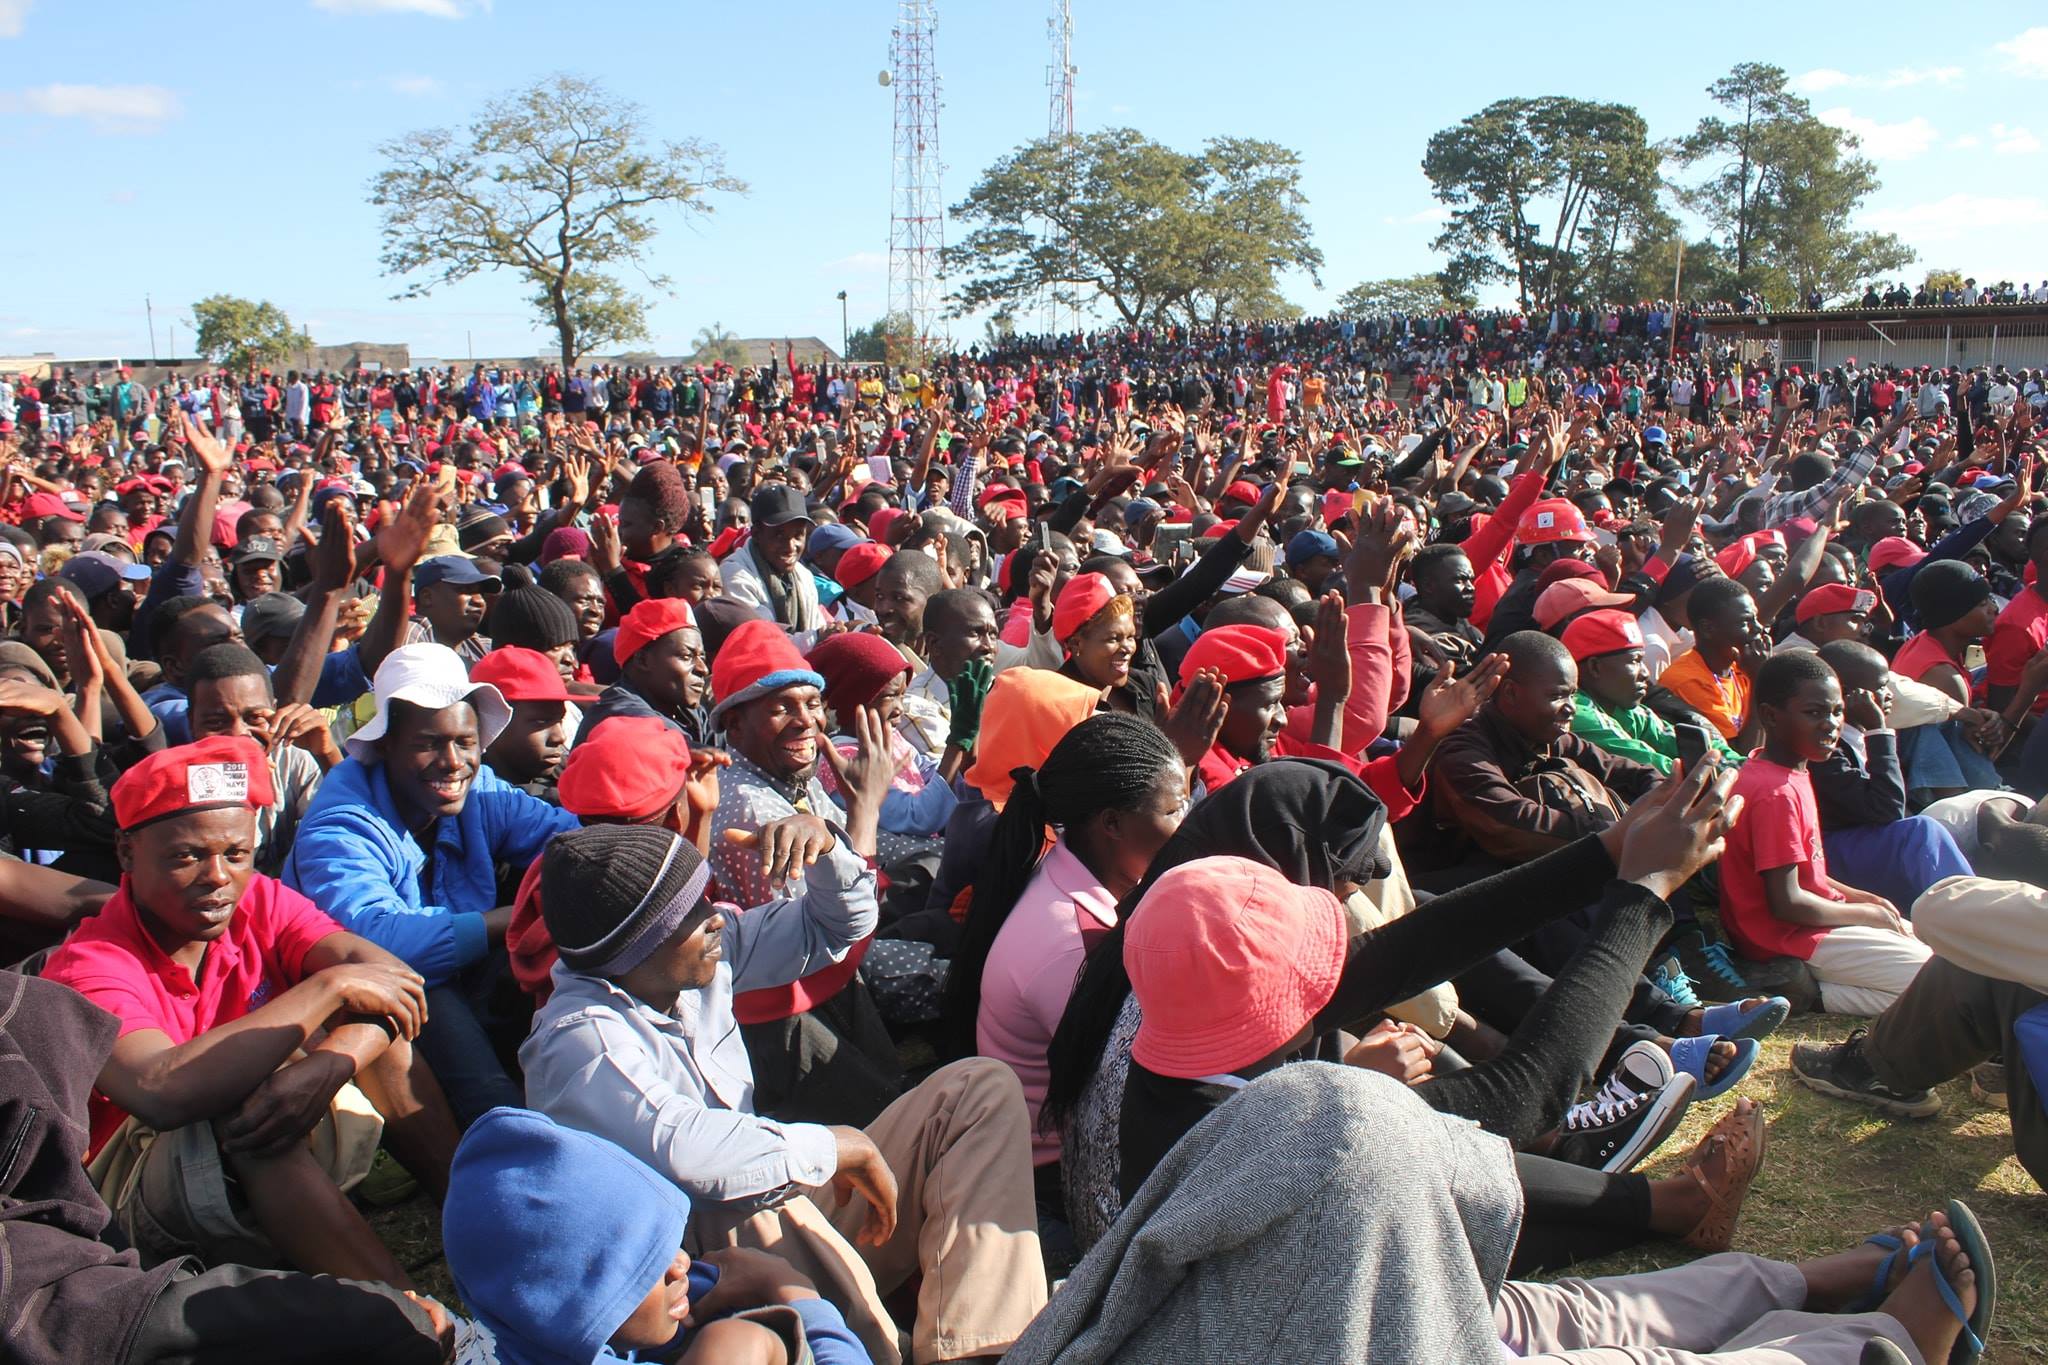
<point x="554" y="1236"/>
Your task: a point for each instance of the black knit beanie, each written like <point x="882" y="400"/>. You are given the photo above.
<point x="612" y="894"/>
<point x="532" y="618"/>
<point x="1945" y="591"/>
<point x="480" y="528"/>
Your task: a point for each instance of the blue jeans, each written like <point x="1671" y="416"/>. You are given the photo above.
<point x="460" y="1041"/>
<point x="2029" y="771"/>
<point x="1898" y="861"/>
<point x="1941" y="758"/>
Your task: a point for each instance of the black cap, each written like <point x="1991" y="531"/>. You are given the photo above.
<point x="777" y="504"/>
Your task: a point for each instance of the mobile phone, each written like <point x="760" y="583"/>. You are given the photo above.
<point x="1692" y="745"/>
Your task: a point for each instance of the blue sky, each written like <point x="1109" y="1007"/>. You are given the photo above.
<point x="179" y="150"/>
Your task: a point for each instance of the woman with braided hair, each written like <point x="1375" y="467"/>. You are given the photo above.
<point x="1114" y="790"/>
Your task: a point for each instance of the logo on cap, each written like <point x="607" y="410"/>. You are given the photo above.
<point x="1545" y="520"/>
<point x="213" y="783"/>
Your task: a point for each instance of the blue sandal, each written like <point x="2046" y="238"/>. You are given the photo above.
<point x="1969" y="1232"/>
<point x="1690" y="1055"/>
<point x="1734" y="1021"/>
<point x="1880" y="1283"/>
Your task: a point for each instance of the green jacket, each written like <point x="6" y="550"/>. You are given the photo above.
<point x="1637" y="733"/>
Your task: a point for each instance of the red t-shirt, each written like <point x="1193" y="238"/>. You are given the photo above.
<point x="1919" y="655"/>
<point x="1779" y="827"/>
<point x="112" y="961"/>
<point x="2021" y="631"/>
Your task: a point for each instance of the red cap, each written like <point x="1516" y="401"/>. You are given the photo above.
<point x="48" y="505"/>
<point x="629" y="768"/>
<point x="218" y="772"/>
<point x="1084" y="596"/>
<point x="881" y="520"/>
<point x="1336" y="506"/>
<point x="1240" y="653"/>
<point x="1571" y="595"/>
<point x="1550" y="521"/>
<point x="860" y="562"/>
<point x="1895" y="552"/>
<point x="1241" y="490"/>
<point x="1562" y="569"/>
<point x="520" y="674"/>
<point x="1830" y="598"/>
<point x="856" y="666"/>
<point x="756" y="659"/>
<point x="649" y="620"/>
<point x="1602" y="632"/>
<point x="1221" y="529"/>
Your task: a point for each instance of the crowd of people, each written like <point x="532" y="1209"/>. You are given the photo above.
<point x="1017" y="854"/>
<point x="1949" y="294"/>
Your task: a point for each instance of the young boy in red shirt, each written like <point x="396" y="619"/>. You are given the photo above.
<point x="1777" y="899"/>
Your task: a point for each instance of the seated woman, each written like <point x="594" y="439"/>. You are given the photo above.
<point x="1578" y="1212"/>
<point x="1114" y="790"/>
<point x="1389" y="1229"/>
<point x="866" y="670"/>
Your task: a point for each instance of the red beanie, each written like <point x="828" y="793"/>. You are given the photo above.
<point x="1240" y="653"/>
<point x="856" y="667"/>
<point x="860" y="562"/>
<point x="629" y="768"/>
<point x="649" y="620"/>
<point x="756" y="659"/>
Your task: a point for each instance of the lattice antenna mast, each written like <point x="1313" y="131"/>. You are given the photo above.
<point x="917" y="221"/>
<point x="1059" y="127"/>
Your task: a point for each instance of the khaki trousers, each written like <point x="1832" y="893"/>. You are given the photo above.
<point x="960" y="1148"/>
<point x="1731" y="1308"/>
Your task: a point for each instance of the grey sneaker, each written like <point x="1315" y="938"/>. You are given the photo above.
<point x="1841" y="1070"/>
<point x="1987" y="1081"/>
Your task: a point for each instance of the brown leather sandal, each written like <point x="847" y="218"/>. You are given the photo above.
<point x="1741" y="1135"/>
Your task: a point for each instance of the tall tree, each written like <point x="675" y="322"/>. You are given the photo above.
<point x="1782" y="190"/>
<point x="1409" y="295"/>
<point x="557" y="182"/>
<point x="1158" y="235"/>
<point x="890" y="334"/>
<point x="237" y="333"/>
<point x="1578" y="161"/>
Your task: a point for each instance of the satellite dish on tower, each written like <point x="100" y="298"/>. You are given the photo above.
<point x="884" y="78"/>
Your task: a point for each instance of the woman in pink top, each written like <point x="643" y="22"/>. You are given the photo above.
<point x="1115" y="790"/>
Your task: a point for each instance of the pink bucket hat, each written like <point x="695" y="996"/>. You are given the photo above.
<point x="1228" y="960"/>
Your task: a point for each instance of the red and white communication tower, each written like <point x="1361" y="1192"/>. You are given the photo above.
<point x="917" y="216"/>
<point x="1059" y="128"/>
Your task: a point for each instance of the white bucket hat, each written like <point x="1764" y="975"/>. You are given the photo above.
<point x="429" y="676"/>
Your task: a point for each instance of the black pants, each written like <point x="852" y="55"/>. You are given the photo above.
<point x="834" y="1063"/>
<point x="1570" y="1214"/>
<point x="235" y="1313"/>
<point x="1500" y="991"/>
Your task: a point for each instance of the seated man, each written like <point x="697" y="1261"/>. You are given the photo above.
<point x="528" y="752"/>
<point x="662" y="671"/>
<point x="1714" y="676"/>
<point x="1871" y="841"/>
<point x="527" y="1192"/>
<point x="404" y="842"/>
<point x="1608" y="710"/>
<point x="78" y="1299"/>
<point x="1777" y="899"/>
<point x="638" y="1044"/>
<point x="231" y="695"/>
<point x="245" y="1014"/>
<point x="819" y="1045"/>
<point x="1984" y="994"/>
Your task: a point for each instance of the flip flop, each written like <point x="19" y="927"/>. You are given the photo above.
<point x="1880" y="1283"/>
<point x="1969" y="1347"/>
<point x="1734" y="1021"/>
<point x="1690" y="1055"/>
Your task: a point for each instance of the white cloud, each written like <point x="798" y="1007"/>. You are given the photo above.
<point x="414" y="85"/>
<point x="1898" y="78"/>
<point x="1958" y="214"/>
<point x="1884" y="141"/>
<point x="107" y="108"/>
<point x="12" y="12"/>
<point x="2013" y="140"/>
<point x="435" y="9"/>
<point x="2028" y="53"/>
<point x="1966" y="142"/>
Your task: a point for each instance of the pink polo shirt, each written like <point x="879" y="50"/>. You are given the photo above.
<point x="112" y="961"/>
<point x="1031" y="971"/>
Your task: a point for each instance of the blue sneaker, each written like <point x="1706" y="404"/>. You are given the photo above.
<point x="1671" y="979"/>
<point x="1712" y="969"/>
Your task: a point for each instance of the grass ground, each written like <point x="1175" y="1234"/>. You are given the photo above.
<point x="1833" y="1172"/>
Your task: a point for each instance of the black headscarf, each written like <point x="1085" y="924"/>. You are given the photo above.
<point x="1310" y="820"/>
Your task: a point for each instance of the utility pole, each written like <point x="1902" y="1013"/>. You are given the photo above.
<point x="150" y="313"/>
<point x="844" y="334"/>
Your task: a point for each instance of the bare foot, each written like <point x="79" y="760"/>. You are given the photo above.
<point x="1834" y="1282"/>
<point x="1917" y="1302"/>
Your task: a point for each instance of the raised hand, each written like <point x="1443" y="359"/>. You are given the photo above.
<point x="1193" y="722"/>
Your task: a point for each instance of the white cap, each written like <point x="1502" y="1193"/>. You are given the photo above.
<point x="429" y="676"/>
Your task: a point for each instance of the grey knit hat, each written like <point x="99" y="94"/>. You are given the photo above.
<point x="612" y="894"/>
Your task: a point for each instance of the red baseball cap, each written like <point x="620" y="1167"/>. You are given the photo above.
<point x="1895" y="552"/>
<point x="48" y="504"/>
<point x="1570" y="596"/>
<point x="629" y="768"/>
<point x="520" y="674"/>
<point x="1550" y="521"/>
<point x="860" y="562"/>
<point x="1602" y="632"/>
<point x="216" y="773"/>
<point x="1079" y="602"/>
<point x="649" y="620"/>
<point x="1241" y="490"/>
<point x="1830" y="598"/>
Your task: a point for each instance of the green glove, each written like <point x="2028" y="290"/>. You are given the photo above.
<point x="964" y="696"/>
